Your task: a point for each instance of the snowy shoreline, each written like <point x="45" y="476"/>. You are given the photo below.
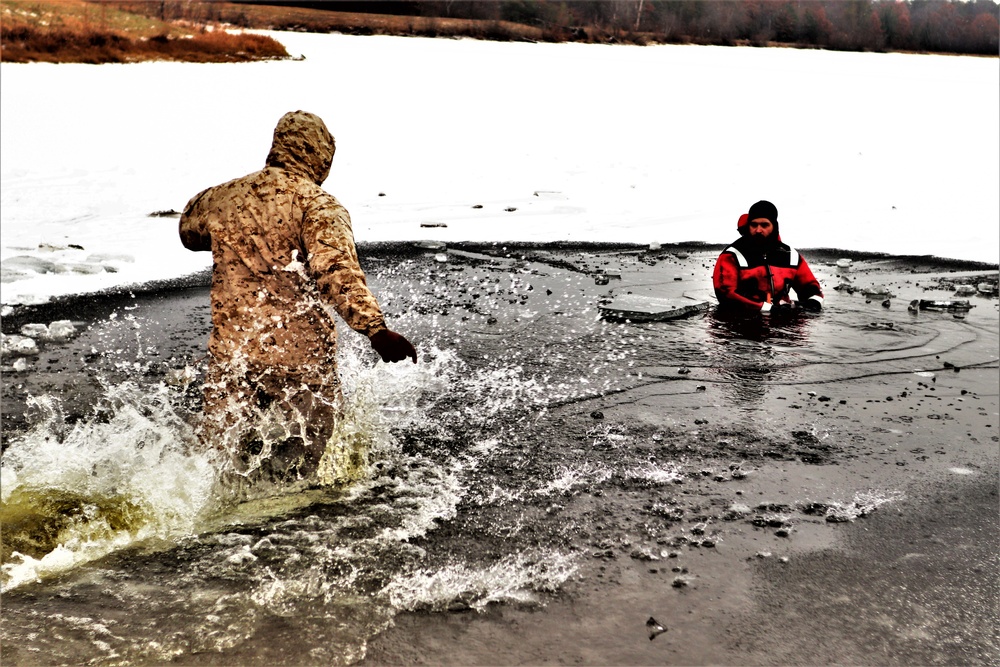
<point x="482" y="142"/>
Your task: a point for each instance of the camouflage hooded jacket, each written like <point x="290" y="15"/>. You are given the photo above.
<point x="283" y="251"/>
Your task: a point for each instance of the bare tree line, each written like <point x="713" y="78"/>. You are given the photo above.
<point x="913" y="25"/>
<point x="942" y="26"/>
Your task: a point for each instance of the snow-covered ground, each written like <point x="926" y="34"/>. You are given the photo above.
<point x="877" y="152"/>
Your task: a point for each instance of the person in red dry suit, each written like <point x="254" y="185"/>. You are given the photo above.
<point x="757" y="272"/>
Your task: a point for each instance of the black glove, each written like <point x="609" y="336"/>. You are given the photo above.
<point x="781" y="308"/>
<point x="811" y="304"/>
<point x="392" y="347"/>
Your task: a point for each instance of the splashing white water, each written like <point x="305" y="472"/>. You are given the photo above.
<point x="864" y="503"/>
<point x="94" y="487"/>
<point x="514" y="578"/>
<point x="136" y="471"/>
<point x="569" y="478"/>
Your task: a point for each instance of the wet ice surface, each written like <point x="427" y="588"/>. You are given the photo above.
<point x="534" y="445"/>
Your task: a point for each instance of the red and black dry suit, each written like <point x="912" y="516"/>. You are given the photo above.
<point x="752" y="276"/>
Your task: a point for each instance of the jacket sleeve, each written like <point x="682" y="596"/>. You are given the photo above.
<point x="194" y="224"/>
<point x="725" y="279"/>
<point x="805" y="283"/>
<point x="333" y="262"/>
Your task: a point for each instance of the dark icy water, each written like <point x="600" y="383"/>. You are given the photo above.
<point x="532" y="442"/>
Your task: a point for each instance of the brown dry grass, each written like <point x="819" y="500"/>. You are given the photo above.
<point x="301" y="19"/>
<point x="75" y="31"/>
<point x="321" y="20"/>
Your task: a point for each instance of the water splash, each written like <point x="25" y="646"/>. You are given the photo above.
<point x="568" y="478"/>
<point x="863" y="504"/>
<point x="73" y="493"/>
<point x="515" y="578"/>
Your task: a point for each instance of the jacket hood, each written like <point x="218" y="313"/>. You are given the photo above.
<point x="303" y="146"/>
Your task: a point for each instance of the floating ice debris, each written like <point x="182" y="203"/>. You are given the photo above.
<point x="654" y="246"/>
<point x="962" y="471"/>
<point x="35" y="264"/>
<point x="637" y="308"/>
<point x="52" y="247"/>
<point x="430" y="245"/>
<point x="986" y="288"/>
<point x="18" y="346"/>
<point x="35" y="331"/>
<point x="90" y="269"/>
<point x="736" y="511"/>
<point x="59" y="331"/>
<point x="20" y="365"/>
<point x="844" y="263"/>
<point x="8" y="275"/>
<point x="965" y="290"/>
<point x="644" y="555"/>
<point x="877" y="290"/>
<point x="441" y="257"/>
<point x="952" y="305"/>
<point x="62" y="330"/>
<point x="110" y="257"/>
<point x="654" y="628"/>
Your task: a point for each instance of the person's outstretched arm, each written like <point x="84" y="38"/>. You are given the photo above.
<point x="807" y="287"/>
<point x="725" y="279"/>
<point x="333" y="262"/>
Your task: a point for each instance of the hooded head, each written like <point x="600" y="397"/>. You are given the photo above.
<point x="768" y="211"/>
<point x="741" y="224"/>
<point x="303" y="146"/>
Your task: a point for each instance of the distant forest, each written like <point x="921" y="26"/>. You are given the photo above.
<point x="942" y="26"/>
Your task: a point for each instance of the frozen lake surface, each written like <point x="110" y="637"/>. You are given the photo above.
<point x="872" y="152"/>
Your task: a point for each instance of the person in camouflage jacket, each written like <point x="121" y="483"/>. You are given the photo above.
<point x="283" y="257"/>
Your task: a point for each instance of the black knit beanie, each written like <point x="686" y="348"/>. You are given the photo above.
<point x="763" y="209"/>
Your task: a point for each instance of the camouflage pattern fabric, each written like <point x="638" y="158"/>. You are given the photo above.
<point x="284" y="257"/>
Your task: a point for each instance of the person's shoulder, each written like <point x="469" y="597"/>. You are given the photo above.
<point x="225" y="189"/>
<point x="740" y="244"/>
<point x="320" y="203"/>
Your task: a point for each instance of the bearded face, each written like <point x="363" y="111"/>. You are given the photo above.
<point x="761" y="232"/>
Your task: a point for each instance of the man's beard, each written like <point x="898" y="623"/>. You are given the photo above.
<point x="762" y="242"/>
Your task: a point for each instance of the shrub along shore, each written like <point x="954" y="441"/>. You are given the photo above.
<point x="125" y="31"/>
<point x="76" y="31"/>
